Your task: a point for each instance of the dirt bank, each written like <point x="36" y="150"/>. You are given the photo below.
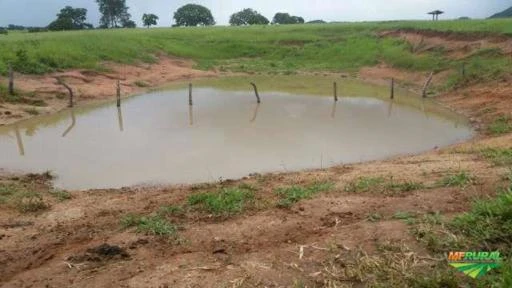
<point x="89" y="86"/>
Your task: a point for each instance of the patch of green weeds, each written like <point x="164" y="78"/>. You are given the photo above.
<point x="150" y="225"/>
<point x="501" y="125"/>
<point x="381" y="185"/>
<point x="32" y="111"/>
<point x="21" y="198"/>
<point x="141" y="84"/>
<point x="498" y="156"/>
<point x="60" y="195"/>
<point x="226" y="202"/>
<point x="374" y="217"/>
<point x="171" y="210"/>
<point x="364" y="184"/>
<point x="291" y="195"/>
<point x="461" y="179"/>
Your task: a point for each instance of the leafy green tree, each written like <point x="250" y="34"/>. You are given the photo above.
<point x="114" y="14"/>
<point x="248" y="17"/>
<point x="149" y="19"/>
<point x="285" y="18"/>
<point x="193" y="15"/>
<point x="70" y="18"/>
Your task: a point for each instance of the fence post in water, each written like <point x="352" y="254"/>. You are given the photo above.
<point x="424" y="93"/>
<point x="190" y="102"/>
<point x="335" y="87"/>
<point x="11" y="80"/>
<point x="59" y="80"/>
<point x="118" y="93"/>
<point x="256" y="92"/>
<point x="392" y="88"/>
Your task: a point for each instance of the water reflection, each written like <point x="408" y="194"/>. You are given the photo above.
<point x="191" y="115"/>
<point x="333" y="112"/>
<point x="73" y="123"/>
<point x="390" y="108"/>
<point x="21" y="148"/>
<point x="120" y="119"/>
<point x="255" y="114"/>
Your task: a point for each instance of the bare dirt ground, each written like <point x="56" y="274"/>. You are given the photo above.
<point x="309" y="244"/>
<point x="89" y="86"/>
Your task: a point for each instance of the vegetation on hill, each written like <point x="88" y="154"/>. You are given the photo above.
<point x="503" y="14"/>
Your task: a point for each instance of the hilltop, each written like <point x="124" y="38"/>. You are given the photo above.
<point x="503" y="14"/>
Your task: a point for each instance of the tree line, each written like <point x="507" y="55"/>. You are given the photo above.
<point x="115" y="14"/>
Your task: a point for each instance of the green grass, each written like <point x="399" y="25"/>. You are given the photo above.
<point x="150" y="225"/>
<point x="461" y="179"/>
<point x="60" y="195"/>
<point x="226" y="202"/>
<point x="22" y="199"/>
<point x="276" y="49"/>
<point x="380" y="185"/>
<point x="501" y="125"/>
<point x="291" y="195"/>
<point x="498" y="156"/>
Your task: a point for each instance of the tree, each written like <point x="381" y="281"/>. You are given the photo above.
<point x="114" y="14"/>
<point x="248" y="17"/>
<point x="285" y="18"/>
<point x="193" y="15"/>
<point x="435" y="14"/>
<point x="70" y="18"/>
<point x="149" y="19"/>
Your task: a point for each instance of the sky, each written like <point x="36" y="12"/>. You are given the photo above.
<point x="42" y="12"/>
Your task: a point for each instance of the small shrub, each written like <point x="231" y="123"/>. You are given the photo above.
<point x="141" y="84"/>
<point x="364" y="184"/>
<point x="60" y="195"/>
<point x="32" y="111"/>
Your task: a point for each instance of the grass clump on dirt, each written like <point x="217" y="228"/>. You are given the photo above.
<point x="291" y="195"/>
<point x="60" y="195"/>
<point x="150" y="225"/>
<point x="461" y="179"/>
<point x="498" y="156"/>
<point x="22" y="199"/>
<point x="379" y="185"/>
<point x="501" y="125"/>
<point x="226" y="202"/>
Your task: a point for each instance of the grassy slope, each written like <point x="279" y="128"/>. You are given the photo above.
<point x="334" y="47"/>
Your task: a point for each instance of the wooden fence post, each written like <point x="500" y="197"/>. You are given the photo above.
<point x="118" y="93"/>
<point x="190" y="102"/>
<point x="392" y="88"/>
<point x="335" y="87"/>
<point x="59" y="80"/>
<point x="424" y="92"/>
<point x="256" y="92"/>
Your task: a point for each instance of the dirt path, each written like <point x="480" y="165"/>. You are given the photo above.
<point x="88" y="86"/>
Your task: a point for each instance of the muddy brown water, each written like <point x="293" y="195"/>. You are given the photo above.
<point x="158" y="139"/>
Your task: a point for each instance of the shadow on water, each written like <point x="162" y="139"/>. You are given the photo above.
<point x="73" y="123"/>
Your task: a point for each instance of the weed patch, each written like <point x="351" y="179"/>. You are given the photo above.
<point x="501" y="125"/>
<point x="150" y="225"/>
<point x="379" y="185"/>
<point x="461" y="179"/>
<point x="22" y="199"/>
<point x="498" y="156"/>
<point x="226" y="202"/>
<point x="291" y="195"/>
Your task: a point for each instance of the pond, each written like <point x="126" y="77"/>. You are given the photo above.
<point x="157" y="138"/>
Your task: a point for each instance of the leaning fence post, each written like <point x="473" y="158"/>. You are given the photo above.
<point x="256" y="92"/>
<point x="335" y="87"/>
<point x="190" y="102"/>
<point x="463" y="70"/>
<point x="59" y="80"/>
<point x="11" y="80"/>
<point x="118" y="93"/>
<point x="424" y="93"/>
<point x="392" y="88"/>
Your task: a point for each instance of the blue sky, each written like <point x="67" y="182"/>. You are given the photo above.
<point x="41" y="12"/>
